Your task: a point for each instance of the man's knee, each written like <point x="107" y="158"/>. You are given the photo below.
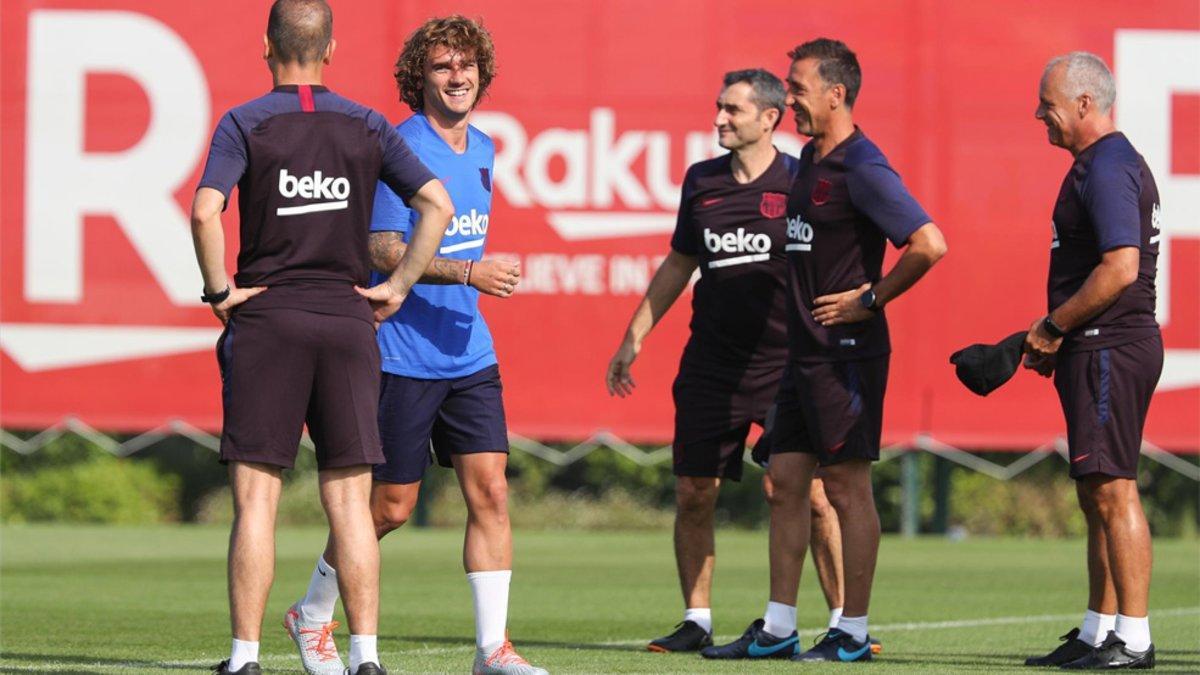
<point x="392" y="506"/>
<point x="488" y="496"/>
<point x="822" y="510"/>
<point x="1105" y="496"/>
<point x="847" y="484"/>
<point x="696" y="497"/>
<point x="791" y="479"/>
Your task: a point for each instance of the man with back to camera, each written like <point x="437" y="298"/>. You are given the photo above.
<point x="1102" y="343"/>
<point x="441" y="382"/>
<point x="845" y="202"/>
<point x="730" y="225"/>
<point x="299" y="343"/>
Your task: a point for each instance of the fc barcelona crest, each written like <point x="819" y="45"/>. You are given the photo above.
<point x="773" y="205"/>
<point x="820" y="193"/>
<point x="485" y="177"/>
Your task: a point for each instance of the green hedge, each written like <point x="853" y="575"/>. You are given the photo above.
<point x="176" y="479"/>
<point x="81" y="485"/>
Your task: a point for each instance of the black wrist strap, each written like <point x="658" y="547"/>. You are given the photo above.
<point x="216" y="298"/>
<point x="1052" y="328"/>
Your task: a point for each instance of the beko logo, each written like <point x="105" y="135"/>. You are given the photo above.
<point x="800" y="235"/>
<point x="757" y="245"/>
<point x="317" y="186"/>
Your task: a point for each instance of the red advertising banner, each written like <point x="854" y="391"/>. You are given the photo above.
<point x="106" y="109"/>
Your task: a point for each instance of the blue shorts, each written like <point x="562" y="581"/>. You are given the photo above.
<point x="422" y="419"/>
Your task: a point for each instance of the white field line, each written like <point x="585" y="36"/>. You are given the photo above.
<point x="939" y="625"/>
<point x="283" y="659"/>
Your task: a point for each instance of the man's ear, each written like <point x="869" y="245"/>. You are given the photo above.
<point x="838" y="91"/>
<point x="266" y="48"/>
<point x="328" y="57"/>
<point x="1085" y="104"/>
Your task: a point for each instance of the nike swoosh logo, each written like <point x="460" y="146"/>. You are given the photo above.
<point x="1081" y="458"/>
<point x="854" y="655"/>
<point x="757" y="651"/>
<point x="322" y="573"/>
<point x="710" y="202"/>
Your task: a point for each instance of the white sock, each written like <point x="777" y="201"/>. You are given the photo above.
<point x="322" y="595"/>
<point x="854" y="626"/>
<point x="834" y="615"/>
<point x="1134" y="631"/>
<point x="490" y="591"/>
<point x="1095" y="627"/>
<point x="780" y="619"/>
<point x="362" y="650"/>
<point x="701" y="615"/>
<point x="243" y="652"/>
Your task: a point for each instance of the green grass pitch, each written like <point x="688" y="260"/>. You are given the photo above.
<point x="152" y="599"/>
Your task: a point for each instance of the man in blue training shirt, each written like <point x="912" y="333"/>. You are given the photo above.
<point x="1102" y="343"/>
<point x="299" y="345"/>
<point x="441" y="383"/>
<point x="844" y="205"/>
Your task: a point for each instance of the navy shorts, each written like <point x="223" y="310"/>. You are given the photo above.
<point x="422" y="419"/>
<point x="713" y="414"/>
<point x="1105" y="395"/>
<point x="284" y="368"/>
<point x="831" y="409"/>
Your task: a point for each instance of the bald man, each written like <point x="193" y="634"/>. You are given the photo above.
<point x="299" y="342"/>
<point x="1102" y="344"/>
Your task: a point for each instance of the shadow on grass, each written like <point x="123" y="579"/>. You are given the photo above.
<point x="85" y="660"/>
<point x="466" y="642"/>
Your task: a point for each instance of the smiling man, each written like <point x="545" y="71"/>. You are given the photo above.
<point x="731" y="227"/>
<point x="441" y="383"/>
<point x="845" y="203"/>
<point x="1102" y="343"/>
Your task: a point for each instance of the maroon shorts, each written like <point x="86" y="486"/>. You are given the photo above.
<point x="1105" y="394"/>
<point x="283" y="368"/>
<point x="830" y="409"/>
<point x="713" y="413"/>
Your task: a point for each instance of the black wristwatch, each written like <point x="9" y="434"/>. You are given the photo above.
<point x="1052" y="328"/>
<point x="869" y="301"/>
<point x="216" y="298"/>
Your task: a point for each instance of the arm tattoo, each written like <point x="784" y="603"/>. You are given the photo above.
<point x="386" y="249"/>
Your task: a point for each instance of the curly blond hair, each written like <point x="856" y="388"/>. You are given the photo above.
<point x="456" y="32"/>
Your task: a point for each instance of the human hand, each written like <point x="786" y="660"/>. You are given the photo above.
<point x="1041" y="349"/>
<point x="618" y="378"/>
<point x="224" y="309"/>
<point x="496" y="277"/>
<point x="385" y="300"/>
<point x="839" y="308"/>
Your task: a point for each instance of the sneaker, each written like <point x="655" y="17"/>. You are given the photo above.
<point x="251" y="668"/>
<point x="318" y="653"/>
<point x="838" y="647"/>
<point x="367" y="668"/>
<point x="689" y="637"/>
<point x="1113" y="654"/>
<point x="1072" y="648"/>
<point x="755" y="643"/>
<point x="504" y="661"/>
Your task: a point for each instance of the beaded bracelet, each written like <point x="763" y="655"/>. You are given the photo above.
<point x="467" y="273"/>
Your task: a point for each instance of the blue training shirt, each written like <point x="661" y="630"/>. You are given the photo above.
<point x="439" y="333"/>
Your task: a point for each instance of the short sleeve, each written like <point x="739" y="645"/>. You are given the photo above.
<point x="1111" y="194"/>
<point x="684" y="238"/>
<point x="226" y="158"/>
<point x="400" y="168"/>
<point x="876" y="190"/>
<point x="390" y="213"/>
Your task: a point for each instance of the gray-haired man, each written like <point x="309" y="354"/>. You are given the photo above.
<point x="1102" y="343"/>
<point x="731" y="226"/>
